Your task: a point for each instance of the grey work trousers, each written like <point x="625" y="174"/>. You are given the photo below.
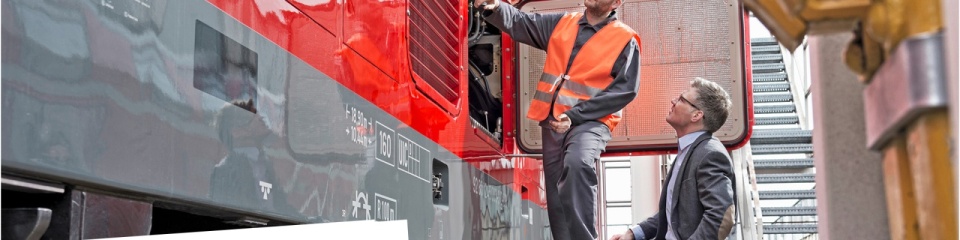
<point x="570" y="172"/>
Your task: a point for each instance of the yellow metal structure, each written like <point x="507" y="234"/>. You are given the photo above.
<point x="779" y="18"/>
<point x="928" y="152"/>
<point x="863" y="56"/>
<point x="921" y="195"/>
<point x="831" y="10"/>
<point x="918" y="181"/>
<point x="891" y="21"/>
<point x="898" y="182"/>
<point x="882" y="24"/>
<point x="791" y="20"/>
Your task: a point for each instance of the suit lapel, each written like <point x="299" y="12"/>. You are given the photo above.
<point x="687" y="160"/>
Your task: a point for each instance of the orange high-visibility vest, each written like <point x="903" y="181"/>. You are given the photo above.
<point x="588" y="75"/>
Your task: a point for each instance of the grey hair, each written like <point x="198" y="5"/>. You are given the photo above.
<point x="713" y="101"/>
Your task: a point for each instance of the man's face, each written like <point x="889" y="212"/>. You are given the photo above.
<point x="601" y="5"/>
<point x="683" y="109"/>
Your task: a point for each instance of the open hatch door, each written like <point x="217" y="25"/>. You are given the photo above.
<point x="681" y="39"/>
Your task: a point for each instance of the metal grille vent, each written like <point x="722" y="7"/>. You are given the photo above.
<point x="434" y="45"/>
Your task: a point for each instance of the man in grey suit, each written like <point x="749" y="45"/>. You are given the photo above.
<point x="697" y="201"/>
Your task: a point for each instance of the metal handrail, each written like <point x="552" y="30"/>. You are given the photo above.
<point x="749" y="220"/>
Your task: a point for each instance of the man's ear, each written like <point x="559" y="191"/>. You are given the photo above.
<point x="697" y="116"/>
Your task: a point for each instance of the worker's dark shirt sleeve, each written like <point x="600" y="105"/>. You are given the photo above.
<point x="533" y="29"/>
<point x="623" y="89"/>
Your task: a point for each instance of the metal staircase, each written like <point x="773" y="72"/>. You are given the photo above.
<point x="782" y="151"/>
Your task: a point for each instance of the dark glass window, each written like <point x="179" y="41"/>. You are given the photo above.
<point x="223" y="67"/>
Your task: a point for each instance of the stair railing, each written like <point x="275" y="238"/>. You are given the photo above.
<point x="749" y="219"/>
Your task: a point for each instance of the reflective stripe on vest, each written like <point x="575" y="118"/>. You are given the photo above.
<point x="588" y="75"/>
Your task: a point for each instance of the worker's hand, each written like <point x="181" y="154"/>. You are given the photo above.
<point x="487" y="4"/>
<point x="562" y="124"/>
<point x="626" y="236"/>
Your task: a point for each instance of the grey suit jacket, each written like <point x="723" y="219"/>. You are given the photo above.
<point x="702" y="196"/>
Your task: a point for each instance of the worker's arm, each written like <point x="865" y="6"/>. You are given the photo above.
<point x="533" y="29"/>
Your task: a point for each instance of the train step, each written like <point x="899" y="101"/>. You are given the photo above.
<point x="776" y="120"/>
<point x="765" y="41"/>
<point x="768" y="67"/>
<point x="788" y="194"/>
<point x="774" y="108"/>
<point x="766" y="58"/>
<point x="784" y="96"/>
<point x="770" y="77"/>
<point x="790" y="229"/>
<point x="799" y="163"/>
<point x="789" y="211"/>
<point x="765" y="49"/>
<point x="760" y="149"/>
<point x="771" y="87"/>
<point x="786" y="178"/>
<point x="781" y="136"/>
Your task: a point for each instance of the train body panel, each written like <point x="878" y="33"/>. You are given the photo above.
<point x="137" y="96"/>
<point x="273" y="112"/>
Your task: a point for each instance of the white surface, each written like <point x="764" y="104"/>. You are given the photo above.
<point x="337" y="230"/>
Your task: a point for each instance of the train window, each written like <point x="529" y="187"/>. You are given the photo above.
<point x="223" y="67"/>
<point x="436" y="48"/>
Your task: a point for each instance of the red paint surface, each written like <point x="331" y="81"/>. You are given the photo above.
<point x="363" y="45"/>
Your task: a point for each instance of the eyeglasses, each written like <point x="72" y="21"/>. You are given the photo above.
<point x="681" y="98"/>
